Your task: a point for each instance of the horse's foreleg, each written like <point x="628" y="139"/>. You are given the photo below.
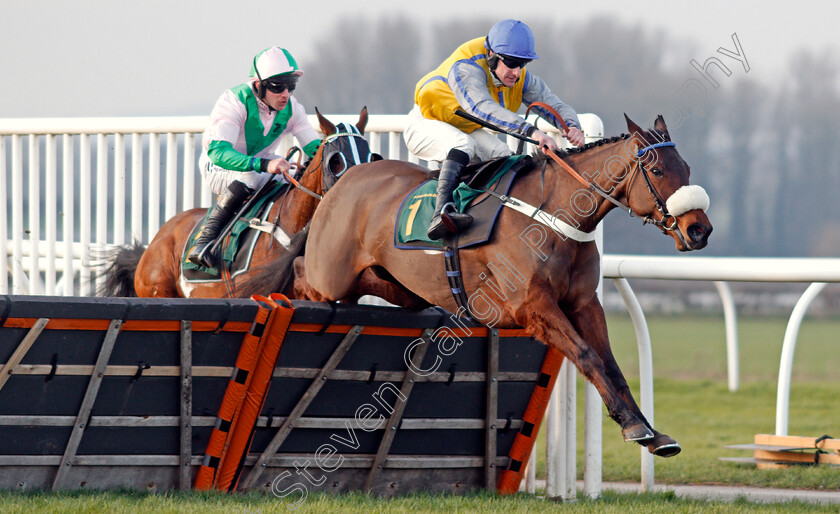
<point x="546" y="322"/>
<point x="591" y="324"/>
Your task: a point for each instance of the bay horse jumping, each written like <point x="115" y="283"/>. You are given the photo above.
<point x="156" y="270"/>
<point x="539" y="278"/>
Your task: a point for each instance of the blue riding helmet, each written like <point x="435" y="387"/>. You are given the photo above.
<point x="513" y="38"/>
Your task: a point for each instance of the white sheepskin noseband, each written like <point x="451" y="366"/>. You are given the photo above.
<point x="687" y="198"/>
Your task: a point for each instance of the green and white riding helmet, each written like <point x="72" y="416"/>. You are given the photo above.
<point x="275" y="66"/>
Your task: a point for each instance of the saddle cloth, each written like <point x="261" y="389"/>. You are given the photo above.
<point x="239" y="244"/>
<point x="416" y="212"/>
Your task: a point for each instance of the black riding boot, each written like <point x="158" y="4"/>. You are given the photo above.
<point x="446" y="218"/>
<point x="226" y="206"/>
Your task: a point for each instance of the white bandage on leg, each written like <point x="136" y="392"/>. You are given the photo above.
<point x="687" y="198"/>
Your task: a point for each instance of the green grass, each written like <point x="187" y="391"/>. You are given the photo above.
<point x="692" y="402"/>
<point x="130" y="502"/>
<point x="691" y="347"/>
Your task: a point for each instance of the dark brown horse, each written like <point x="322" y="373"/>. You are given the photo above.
<point x="528" y="275"/>
<point x="156" y="270"/>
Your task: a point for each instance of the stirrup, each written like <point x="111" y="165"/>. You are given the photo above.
<point x="203" y="257"/>
<point x="448" y="221"/>
<point x="455" y="221"/>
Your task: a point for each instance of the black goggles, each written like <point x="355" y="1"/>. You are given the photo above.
<point x="513" y="62"/>
<point x="281" y="84"/>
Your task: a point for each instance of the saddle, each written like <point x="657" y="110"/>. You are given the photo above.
<point x="470" y="196"/>
<point x="239" y="244"/>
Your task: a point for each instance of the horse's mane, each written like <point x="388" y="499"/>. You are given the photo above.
<point x="539" y="157"/>
<point x="652" y="134"/>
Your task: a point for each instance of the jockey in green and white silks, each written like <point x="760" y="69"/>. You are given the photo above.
<point x="240" y="142"/>
<point x="485" y="77"/>
<point x="244" y="130"/>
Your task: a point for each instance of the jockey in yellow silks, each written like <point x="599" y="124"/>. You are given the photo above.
<point x="486" y="77"/>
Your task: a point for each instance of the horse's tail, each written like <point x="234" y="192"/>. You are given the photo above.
<point x="276" y="275"/>
<point x="117" y="265"/>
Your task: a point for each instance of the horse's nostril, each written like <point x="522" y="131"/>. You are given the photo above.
<point x="698" y="232"/>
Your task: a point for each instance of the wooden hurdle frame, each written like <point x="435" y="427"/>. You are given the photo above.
<point x="78" y="372"/>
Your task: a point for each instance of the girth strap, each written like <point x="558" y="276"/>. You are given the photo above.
<point x="452" y="263"/>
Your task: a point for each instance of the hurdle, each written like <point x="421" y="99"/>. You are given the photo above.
<point x="128" y="393"/>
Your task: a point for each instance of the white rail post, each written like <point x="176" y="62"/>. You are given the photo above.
<point x="101" y="210"/>
<point x="730" y="318"/>
<point x="50" y="196"/>
<point x="394" y="145"/>
<point x="788" y="347"/>
<point x="85" y="187"/>
<point x="17" y="215"/>
<point x="4" y="238"/>
<point x="68" y="226"/>
<point x="552" y="442"/>
<point x="171" y="175"/>
<point x="154" y="187"/>
<point x="645" y="372"/>
<point x="593" y="447"/>
<point x="568" y="489"/>
<point x="35" y="283"/>
<point x="188" y="174"/>
<point x="119" y="189"/>
<point x="136" y="187"/>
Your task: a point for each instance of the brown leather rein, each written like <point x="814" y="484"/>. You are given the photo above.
<point x="591" y="186"/>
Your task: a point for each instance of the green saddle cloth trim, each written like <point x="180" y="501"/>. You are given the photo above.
<point x="418" y="208"/>
<point x="239" y="227"/>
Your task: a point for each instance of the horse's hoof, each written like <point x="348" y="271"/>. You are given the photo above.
<point x="663" y="446"/>
<point x="665" y="450"/>
<point x="637" y="432"/>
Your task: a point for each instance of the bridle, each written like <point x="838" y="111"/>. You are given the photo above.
<point x="595" y="188"/>
<point x="355" y="144"/>
<point x="657" y="198"/>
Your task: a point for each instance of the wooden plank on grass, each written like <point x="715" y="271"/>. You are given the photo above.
<point x="797" y="441"/>
<point x="798" y="457"/>
<point x="767" y="447"/>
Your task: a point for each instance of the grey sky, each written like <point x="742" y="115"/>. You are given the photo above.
<point x="173" y="57"/>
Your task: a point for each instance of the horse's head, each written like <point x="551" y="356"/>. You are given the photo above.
<point x="344" y="146"/>
<point x="658" y="188"/>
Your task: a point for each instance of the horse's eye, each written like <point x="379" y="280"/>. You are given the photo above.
<point x="337" y="164"/>
<point x="657" y="172"/>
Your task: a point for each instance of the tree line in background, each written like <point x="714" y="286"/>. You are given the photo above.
<point x="767" y="155"/>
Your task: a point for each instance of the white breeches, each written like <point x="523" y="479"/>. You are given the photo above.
<point x="431" y="140"/>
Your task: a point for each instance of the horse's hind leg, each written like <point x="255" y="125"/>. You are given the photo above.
<point x="545" y="321"/>
<point x="591" y="323"/>
<point x="157" y="273"/>
<point x="302" y="288"/>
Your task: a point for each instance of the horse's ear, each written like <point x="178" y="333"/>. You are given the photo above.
<point x="637" y="136"/>
<point x="363" y="119"/>
<point x="632" y="128"/>
<point x="326" y="126"/>
<point x="659" y="125"/>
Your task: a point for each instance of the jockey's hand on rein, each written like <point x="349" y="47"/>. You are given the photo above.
<point x="575" y="136"/>
<point x="544" y="140"/>
<point x="278" y="165"/>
